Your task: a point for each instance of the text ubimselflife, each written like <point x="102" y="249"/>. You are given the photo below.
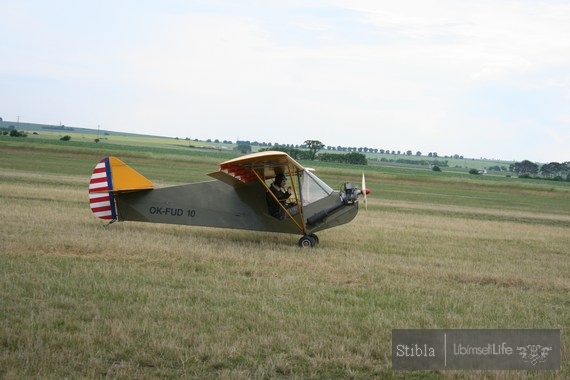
<point x="490" y="349"/>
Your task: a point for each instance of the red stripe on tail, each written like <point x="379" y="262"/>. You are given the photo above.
<point x="101" y="199"/>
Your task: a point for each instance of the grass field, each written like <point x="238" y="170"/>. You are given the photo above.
<point x="133" y="300"/>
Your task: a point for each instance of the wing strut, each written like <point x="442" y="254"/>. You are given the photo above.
<point x="299" y="200"/>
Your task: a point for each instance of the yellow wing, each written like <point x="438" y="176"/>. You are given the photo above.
<point x="242" y="170"/>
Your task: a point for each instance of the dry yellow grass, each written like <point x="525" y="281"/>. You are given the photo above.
<point x="132" y="300"/>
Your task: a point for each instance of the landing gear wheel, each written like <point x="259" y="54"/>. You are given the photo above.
<point x="307" y="241"/>
<point x="315" y="238"/>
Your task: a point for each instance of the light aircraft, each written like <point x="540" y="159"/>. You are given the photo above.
<point x="238" y="198"/>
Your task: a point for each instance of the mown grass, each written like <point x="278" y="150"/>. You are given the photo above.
<point x="133" y="300"/>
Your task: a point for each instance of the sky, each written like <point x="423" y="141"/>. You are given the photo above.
<point x="478" y="78"/>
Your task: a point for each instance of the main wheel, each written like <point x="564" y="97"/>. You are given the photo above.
<point x="315" y="238"/>
<point x="307" y="242"/>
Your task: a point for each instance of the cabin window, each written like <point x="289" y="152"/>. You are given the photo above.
<point x="313" y="188"/>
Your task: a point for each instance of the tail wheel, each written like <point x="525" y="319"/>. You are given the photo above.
<point x="307" y="241"/>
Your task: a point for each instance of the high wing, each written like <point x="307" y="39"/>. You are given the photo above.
<point x="264" y="165"/>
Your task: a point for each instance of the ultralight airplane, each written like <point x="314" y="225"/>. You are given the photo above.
<point x="238" y="198"/>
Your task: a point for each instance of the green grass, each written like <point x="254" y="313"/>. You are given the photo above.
<point x="134" y="300"/>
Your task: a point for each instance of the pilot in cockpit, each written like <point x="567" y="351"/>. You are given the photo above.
<point x="281" y="197"/>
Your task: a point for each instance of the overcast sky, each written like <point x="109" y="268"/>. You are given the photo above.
<point x="479" y="78"/>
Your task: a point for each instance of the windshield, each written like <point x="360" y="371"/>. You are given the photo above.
<point x="313" y="188"/>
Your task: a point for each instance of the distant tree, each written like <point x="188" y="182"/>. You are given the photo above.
<point x="353" y="158"/>
<point x="16" y="133"/>
<point x="356" y="158"/>
<point x="436" y="168"/>
<point x="66" y="138"/>
<point x="418" y="153"/>
<point x="552" y="170"/>
<point x="243" y="147"/>
<point x="566" y="166"/>
<point x="525" y="168"/>
<point x="314" y="146"/>
<point x="441" y="163"/>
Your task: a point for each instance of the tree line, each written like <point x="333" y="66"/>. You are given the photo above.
<point x="552" y="170"/>
<point x="310" y="152"/>
<point x="13" y="132"/>
<point x="247" y="144"/>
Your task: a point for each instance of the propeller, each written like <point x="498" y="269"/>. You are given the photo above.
<point x="365" y="191"/>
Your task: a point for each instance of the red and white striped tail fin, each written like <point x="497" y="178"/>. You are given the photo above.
<point x="101" y="197"/>
<point x="110" y="177"/>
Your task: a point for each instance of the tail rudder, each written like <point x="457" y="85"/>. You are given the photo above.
<point x="109" y="177"/>
<point x="101" y="197"/>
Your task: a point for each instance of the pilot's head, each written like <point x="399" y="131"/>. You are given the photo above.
<point x="280" y="180"/>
